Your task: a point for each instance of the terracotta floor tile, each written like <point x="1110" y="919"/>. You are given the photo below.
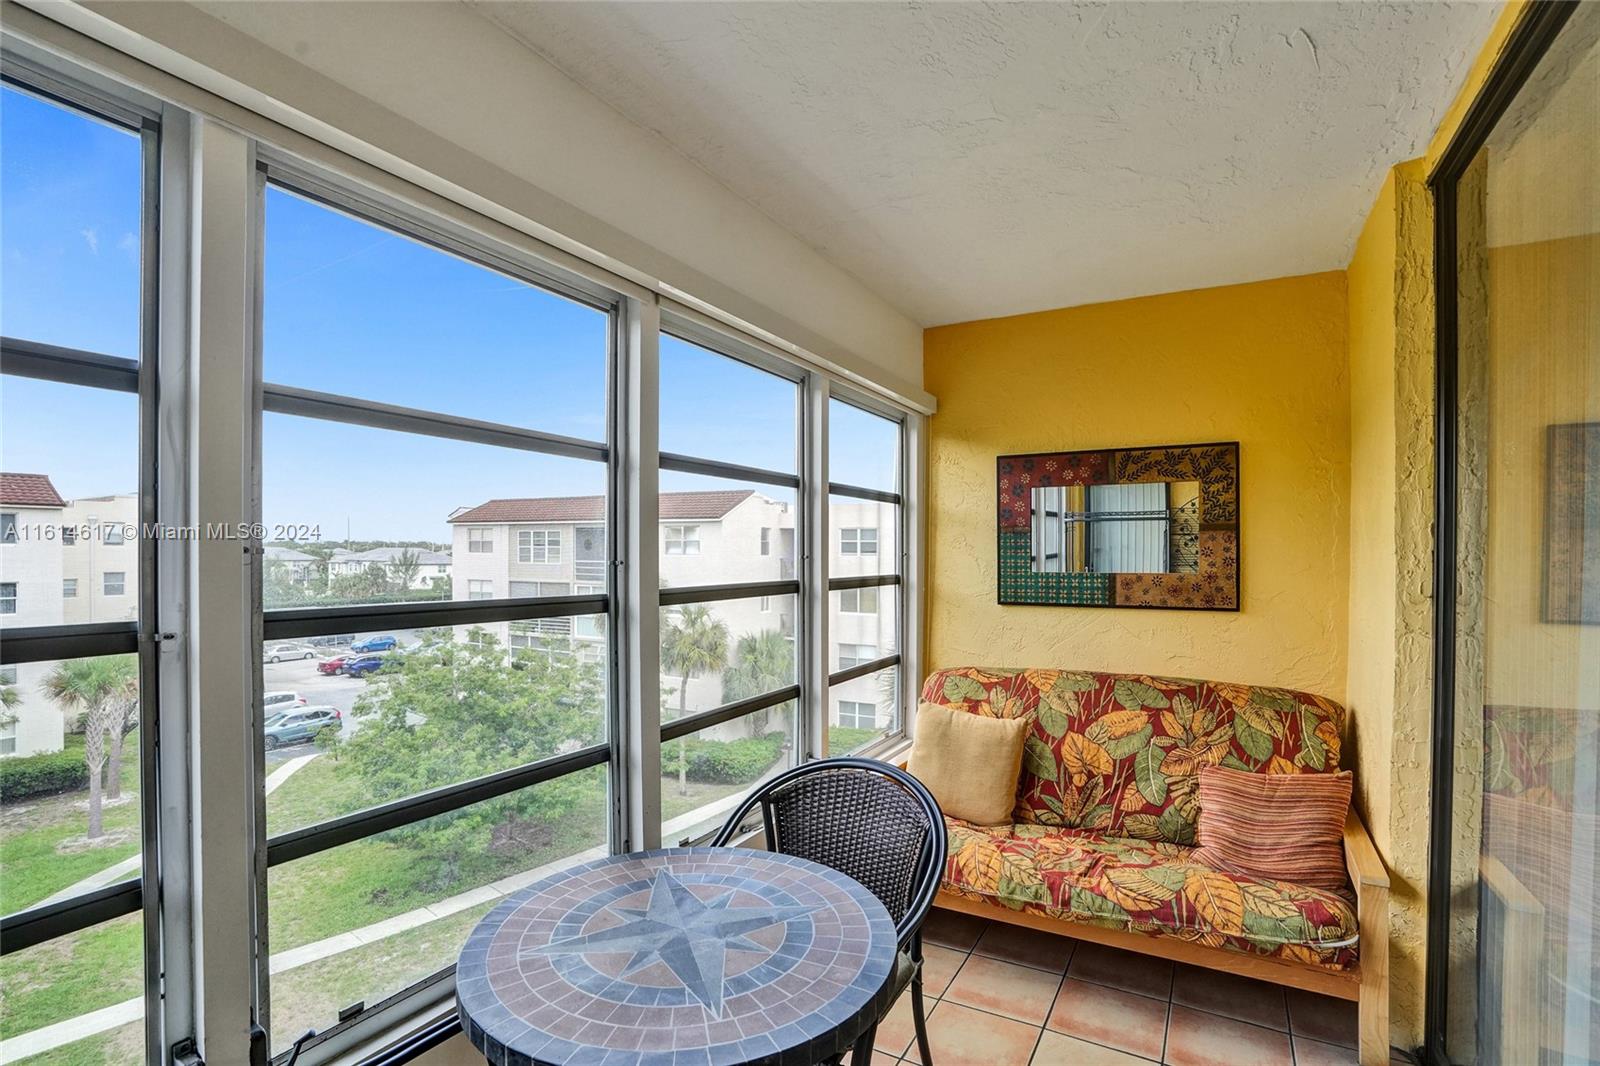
<point x="1109" y="1016"/>
<point x="898" y="1030"/>
<point x="1059" y="1049"/>
<point x="1126" y="970"/>
<point x="1308" y="1052"/>
<point x="878" y="1059"/>
<point x="1195" y="1038"/>
<point x="1231" y="995"/>
<point x="1000" y="987"/>
<point x="1332" y="1021"/>
<point x="939" y="965"/>
<point x="1030" y="947"/>
<point x="962" y="1036"/>
<point x="952" y="929"/>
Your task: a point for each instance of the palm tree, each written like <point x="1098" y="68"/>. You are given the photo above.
<point x="98" y="690"/>
<point x="406" y="566"/>
<point x="761" y="662"/>
<point x="691" y="644"/>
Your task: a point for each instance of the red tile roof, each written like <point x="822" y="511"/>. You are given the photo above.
<point x="29" y="490"/>
<point x="674" y="506"/>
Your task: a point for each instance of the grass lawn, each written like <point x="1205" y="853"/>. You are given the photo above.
<point x="310" y="899"/>
<point x="71" y="974"/>
<point x="33" y="866"/>
<point x="311" y="996"/>
<point x="114" y="1047"/>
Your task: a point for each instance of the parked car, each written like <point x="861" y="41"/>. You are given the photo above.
<point x="336" y="640"/>
<point x="273" y="702"/>
<point x="333" y="664"/>
<point x="277" y="653"/>
<point x="384" y="643"/>
<point x="361" y="665"/>
<point x="300" y="724"/>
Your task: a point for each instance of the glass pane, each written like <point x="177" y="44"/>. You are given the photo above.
<point x="69" y="540"/>
<point x="704" y="775"/>
<point x="716" y="532"/>
<point x="353" y="308"/>
<point x="863" y="448"/>
<point x="69" y="820"/>
<point x="863" y="537"/>
<point x="717" y="653"/>
<point x="97" y="972"/>
<point x="1524" y="976"/>
<point x="356" y="515"/>
<point x="755" y="410"/>
<point x="864" y="624"/>
<point x="353" y="722"/>
<point x="70" y="189"/>
<point x="366" y="920"/>
<point x="863" y="710"/>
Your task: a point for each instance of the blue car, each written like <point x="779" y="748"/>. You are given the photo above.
<point x="300" y="724"/>
<point x="361" y="665"/>
<point x="375" y="644"/>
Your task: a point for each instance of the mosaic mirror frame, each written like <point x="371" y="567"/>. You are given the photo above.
<point x="1212" y="554"/>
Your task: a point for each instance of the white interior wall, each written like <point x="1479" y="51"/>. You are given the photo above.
<point x="441" y="96"/>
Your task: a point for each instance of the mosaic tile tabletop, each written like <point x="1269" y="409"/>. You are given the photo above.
<point x="710" y="956"/>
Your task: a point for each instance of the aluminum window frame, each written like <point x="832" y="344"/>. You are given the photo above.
<point x="31" y="71"/>
<point x="275" y="169"/>
<point x="899" y="659"/>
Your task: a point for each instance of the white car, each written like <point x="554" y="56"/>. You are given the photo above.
<point x="276" y="653"/>
<point x="276" y="702"/>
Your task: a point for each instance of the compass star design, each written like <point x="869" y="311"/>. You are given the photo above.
<point x="690" y="935"/>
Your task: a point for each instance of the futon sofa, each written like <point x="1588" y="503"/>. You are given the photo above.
<point x="1102" y="837"/>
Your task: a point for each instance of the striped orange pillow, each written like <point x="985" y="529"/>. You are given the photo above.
<point x="1285" y="827"/>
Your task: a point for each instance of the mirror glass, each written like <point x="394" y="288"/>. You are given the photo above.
<point x="1145" y="528"/>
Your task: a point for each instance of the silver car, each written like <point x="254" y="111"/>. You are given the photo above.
<point x="277" y="653"/>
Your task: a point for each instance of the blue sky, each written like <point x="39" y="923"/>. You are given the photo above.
<point x="350" y="308"/>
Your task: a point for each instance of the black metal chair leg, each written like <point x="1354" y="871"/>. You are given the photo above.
<point x="862" y="1052"/>
<point x="920" y="1018"/>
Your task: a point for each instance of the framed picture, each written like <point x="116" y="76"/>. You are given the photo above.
<point x="1121" y="527"/>
<point x="1572" y="524"/>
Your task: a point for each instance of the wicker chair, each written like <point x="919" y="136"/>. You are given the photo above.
<point x="873" y="822"/>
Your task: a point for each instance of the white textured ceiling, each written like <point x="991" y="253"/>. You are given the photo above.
<point x="971" y="160"/>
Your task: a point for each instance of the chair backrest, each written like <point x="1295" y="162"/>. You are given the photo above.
<point x="870" y="821"/>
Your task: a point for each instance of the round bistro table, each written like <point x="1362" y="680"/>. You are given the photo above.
<point x="709" y="956"/>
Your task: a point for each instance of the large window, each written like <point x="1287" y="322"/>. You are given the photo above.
<point x="865" y="566"/>
<point x="731" y="604"/>
<point x="450" y="750"/>
<point x="78" y="704"/>
<point x="407" y="665"/>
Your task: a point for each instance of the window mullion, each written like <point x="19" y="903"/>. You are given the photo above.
<point x="814" y="566"/>
<point x="221" y="674"/>
<point x="636" y="575"/>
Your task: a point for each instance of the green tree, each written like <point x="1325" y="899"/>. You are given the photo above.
<point x="447" y="711"/>
<point x="405" y="568"/>
<point x="761" y="662"/>
<point x="368" y="585"/>
<point x="100" y="690"/>
<point x="693" y="643"/>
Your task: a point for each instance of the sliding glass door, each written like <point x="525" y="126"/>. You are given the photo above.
<point x="1518" y="976"/>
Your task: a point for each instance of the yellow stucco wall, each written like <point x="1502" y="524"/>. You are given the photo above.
<point x="1262" y="363"/>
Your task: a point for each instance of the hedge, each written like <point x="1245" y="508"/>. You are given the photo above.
<point x="726" y="762"/>
<point x="39" y="775"/>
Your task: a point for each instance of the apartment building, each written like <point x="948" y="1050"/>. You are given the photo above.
<point x="62" y="562"/>
<point x="419" y="567"/>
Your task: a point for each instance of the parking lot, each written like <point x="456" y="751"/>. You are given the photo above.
<point x="319" y="690"/>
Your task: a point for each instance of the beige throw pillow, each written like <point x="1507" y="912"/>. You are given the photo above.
<point x="970" y="764"/>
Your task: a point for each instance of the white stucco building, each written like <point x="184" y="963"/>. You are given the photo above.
<point x="430" y="566"/>
<point x="554" y="546"/>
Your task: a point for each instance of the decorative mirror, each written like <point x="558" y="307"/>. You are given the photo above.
<point x="1124" y="527"/>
